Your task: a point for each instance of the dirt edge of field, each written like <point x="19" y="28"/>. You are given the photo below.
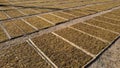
<point x="110" y="58"/>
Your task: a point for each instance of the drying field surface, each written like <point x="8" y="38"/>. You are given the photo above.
<point x="21" y="56"/>
<point x="55" y="33"/>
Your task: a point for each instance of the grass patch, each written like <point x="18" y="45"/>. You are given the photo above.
<point x="25" y="27"/>
<point x="106" y="35"/>
<point x="37" y="22"/>
<point x="52" y="18"/>
<point x="67" y="16"/>
<point x="107" y="20"/>
<point x="61" y="53"/>
<point x="105" y="25"/>
<point x="14" y="13"/>
<point x="28" y="11"/>
<point x="2" y="15"/>
<point x="12" y="29"/>
<point x="88" y="43"/>
<point x="21" y="56"/>
<point x="74" y="12"/>
<point x="2" y="35"/>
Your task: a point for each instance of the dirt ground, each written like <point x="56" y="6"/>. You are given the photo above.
<point x="110" y="58"/>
